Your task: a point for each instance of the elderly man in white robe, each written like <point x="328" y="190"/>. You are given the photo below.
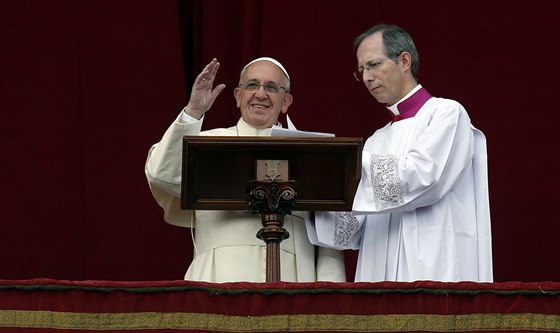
<point x="421" y="211"/>
<point x="226" y="248"/>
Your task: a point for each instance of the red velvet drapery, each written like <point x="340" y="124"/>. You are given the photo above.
<point x="174" y="306"/>
<point x="88" y="85"/>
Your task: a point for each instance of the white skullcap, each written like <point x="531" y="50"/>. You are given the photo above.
<point x="274" y="61"/>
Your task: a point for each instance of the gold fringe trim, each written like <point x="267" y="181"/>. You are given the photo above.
<point x="274" y="323"/>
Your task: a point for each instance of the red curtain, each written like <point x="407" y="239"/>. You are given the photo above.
<point x="71" y="306"/>
<point x="87" y="86"/>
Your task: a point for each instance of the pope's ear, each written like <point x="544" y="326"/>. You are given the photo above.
<point x="288" y="99"/>
<point x="237" y="95"/>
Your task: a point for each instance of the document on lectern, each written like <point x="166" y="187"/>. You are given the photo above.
<point x="293" y="131"/>
<point x="280" y="131"/>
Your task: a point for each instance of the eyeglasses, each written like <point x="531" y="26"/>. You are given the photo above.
<point x="373" y="65"/>
<point x="269" y="88"/>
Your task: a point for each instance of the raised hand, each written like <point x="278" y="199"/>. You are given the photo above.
<point x="202" y="94"/>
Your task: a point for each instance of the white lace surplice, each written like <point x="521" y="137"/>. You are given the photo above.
<point x="434" y="226"/>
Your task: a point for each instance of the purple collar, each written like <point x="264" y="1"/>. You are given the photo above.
<point x="410" y="106"/>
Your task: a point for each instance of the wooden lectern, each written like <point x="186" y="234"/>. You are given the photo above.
<point x="271" y="176"/>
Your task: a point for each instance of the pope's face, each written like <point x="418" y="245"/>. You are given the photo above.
<point x="384" y="78"/>
<point x="259" y="108"/>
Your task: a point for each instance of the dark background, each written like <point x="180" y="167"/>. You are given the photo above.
<point x="87" y="86"/>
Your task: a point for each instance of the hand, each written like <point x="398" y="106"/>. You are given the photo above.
<point x="202" y="94"/>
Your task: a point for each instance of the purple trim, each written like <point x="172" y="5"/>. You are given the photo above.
<point x="409" y="107"/>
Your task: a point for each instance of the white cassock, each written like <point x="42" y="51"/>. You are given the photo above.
<point x="226" y="248"/>
<point x="421" y="211"/>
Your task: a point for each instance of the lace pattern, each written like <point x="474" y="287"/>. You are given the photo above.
<point x="385" y="181"/>
<point x="345" y="226"/>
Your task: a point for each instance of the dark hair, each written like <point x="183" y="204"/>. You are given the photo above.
<point x="395" y="41"/>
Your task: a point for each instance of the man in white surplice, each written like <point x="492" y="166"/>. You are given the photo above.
<point x="421" y="211"/>
<point x="226" y="248"/>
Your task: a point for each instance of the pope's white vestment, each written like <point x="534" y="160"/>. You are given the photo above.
<point x="226" y="248"/>
<point x="421" y="211"/>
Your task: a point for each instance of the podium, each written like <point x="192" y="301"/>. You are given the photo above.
<point x="270" y="176"/>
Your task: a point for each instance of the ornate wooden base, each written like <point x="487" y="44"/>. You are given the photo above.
<point x="272" y="201"/>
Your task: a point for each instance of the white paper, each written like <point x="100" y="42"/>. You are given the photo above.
<point x="280" y="131"/>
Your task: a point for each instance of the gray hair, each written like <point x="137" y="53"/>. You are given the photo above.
<point x="395" y="41"/>
<point x="274" y="61"/>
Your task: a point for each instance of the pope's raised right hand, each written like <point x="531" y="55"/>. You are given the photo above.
<point x="202" y="93"/>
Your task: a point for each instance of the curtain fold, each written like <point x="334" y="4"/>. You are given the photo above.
<point x="230" y="31"/>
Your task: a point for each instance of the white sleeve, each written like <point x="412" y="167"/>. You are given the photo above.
<point x="187" y="119"/>
<point x="163" y="170"/>
<point x="337" y="230"/>
<point x="426" y="172"/>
